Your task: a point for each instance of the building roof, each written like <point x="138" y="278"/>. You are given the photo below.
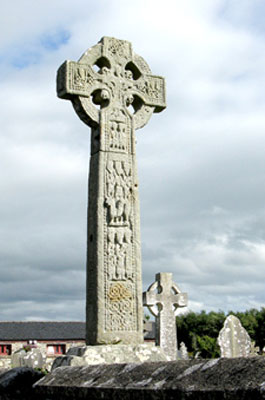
<point x="46" y="330"/>
<point x="42" y="330"/>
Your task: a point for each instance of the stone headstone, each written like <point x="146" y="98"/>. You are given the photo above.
<point x="254" y="350"/>
<point x="183" y="352"/>
<point x="233" y="339"/>
<point x="32" y="359"/>
<point x="163" y="298"/>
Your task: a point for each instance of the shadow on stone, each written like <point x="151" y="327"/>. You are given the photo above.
<point x="216" y="379"/>
<point x="17" y="383"/>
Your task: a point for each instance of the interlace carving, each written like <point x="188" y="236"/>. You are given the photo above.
<point x="120" y="315"/>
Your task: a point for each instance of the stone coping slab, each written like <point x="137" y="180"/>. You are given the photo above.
<point x="240" y="378"/>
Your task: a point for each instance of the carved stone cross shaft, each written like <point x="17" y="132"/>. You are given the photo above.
<point x="163" y="298"/>
<point x="112" y="90"/>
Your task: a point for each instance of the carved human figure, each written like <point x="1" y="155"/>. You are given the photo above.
<point x="120" y="271"/>
<point x="111" y="253"/>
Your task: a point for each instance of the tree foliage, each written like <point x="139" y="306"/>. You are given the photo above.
<point x="199" y="331"/>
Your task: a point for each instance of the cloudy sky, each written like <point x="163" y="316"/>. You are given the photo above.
<point x="201" y="161"/>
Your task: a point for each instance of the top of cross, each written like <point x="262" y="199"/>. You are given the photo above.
<point x="122" y="79"/>
<point x="164" y="294"/>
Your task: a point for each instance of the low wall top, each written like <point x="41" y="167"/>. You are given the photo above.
<point x="240" y="378"/>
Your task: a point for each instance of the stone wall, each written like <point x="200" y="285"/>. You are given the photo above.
<point x="5" y="362"/>
<point x="217" y="379"/>
<point x="220" y="379"/>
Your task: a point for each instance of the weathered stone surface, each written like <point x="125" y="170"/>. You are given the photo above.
<point x="233" y="339"/>
<point x="5" y="362"/>
<point x="32" y="358"/>
<point x="183" y="352"/>
<point x="237" y="379"/>
<point x="127" y="95"/>
<point x="111" y="354"/>
<point x="163" y="298"/>
<point x="17" y="383"/>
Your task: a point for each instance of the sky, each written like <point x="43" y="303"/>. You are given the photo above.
<point x="201" y="161"/>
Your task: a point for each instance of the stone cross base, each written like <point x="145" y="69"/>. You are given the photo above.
<point x="111" y="354"/>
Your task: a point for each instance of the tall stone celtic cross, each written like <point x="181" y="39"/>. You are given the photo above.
<point x="112" y="90"/>
<point x="163" y="298"/>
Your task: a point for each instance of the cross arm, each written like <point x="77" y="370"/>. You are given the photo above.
<point x="180" y="300"/>
<point x="152" y="89"/>
<point x="75" y="79"/>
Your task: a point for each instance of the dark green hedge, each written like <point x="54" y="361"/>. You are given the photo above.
<point x="199" y="331"/>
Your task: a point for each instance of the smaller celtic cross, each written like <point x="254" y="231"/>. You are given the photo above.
<point x="163" y="298"/>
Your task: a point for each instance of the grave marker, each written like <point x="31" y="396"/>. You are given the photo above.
<point x="233" y="339"/>
<point x="183" y="352"/>
<point x="163" y="298"/>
